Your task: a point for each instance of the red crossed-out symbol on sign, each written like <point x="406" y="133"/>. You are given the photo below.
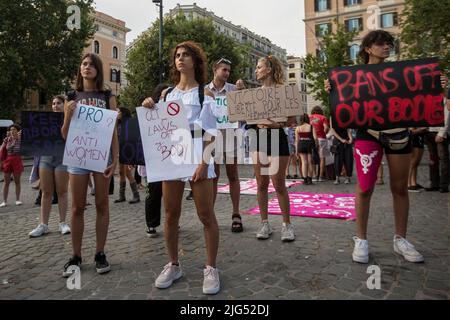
<point x="173" y="109"/>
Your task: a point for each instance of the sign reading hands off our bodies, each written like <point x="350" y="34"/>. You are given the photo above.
<point x="88" y="142"/>
<point x="276" y="103"/>
<point x="167" y="141"/>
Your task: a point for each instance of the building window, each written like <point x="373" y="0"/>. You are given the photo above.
<point x="96" y="47"/>
<point x="354" y="50"/>
<point x="115" y="53"/>
<point x="321" y="5"/>
<point x="115" y="76"/>
<point x="395" y="50"/>
<point x="322" y="29"/>
<point x="389" y="20"/>
<point x="115" y="34"/>
<point x="354" y="24"/>
<point x="97" y="27"/>
<point x="322" y="56"/>
<point x="292" y="66"/>
<point x="351" y="2"/>
<point x="291" y="75"/>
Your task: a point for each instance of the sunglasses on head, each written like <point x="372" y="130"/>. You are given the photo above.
<point x="223" y="60"/>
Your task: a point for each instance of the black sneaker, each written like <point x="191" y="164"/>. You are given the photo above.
<point x="152" y="233"/>
<point x="414" y="189"/>
<point x="101" y="264"/>
<point x="190" y="196"/>
<point x="74" y="261"/>
<point x="432" y="189"/>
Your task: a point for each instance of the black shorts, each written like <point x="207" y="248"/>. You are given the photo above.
<point x="364" y="135"/>
<point x="418" y="141"/>
<point x="283" y="144"/>
<point x="305" y="146"/>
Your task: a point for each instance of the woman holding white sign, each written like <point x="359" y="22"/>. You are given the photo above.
<point x="189" y="75"/>
<point x="90" y="91"/>
<point x="270" y="73"/>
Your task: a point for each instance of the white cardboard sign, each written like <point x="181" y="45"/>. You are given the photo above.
<point x="88" y="142"/>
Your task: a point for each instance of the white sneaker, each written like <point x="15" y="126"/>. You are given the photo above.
<point x="3" y="204"/>
<point x="40" y="230"/>
<point x="265" y="231"/>
<point x="211" y="282"/>
<point x="337" y="181"/>
<point x="18" y="203"/>
<point x="347" y="181"/>
<point x="407" y="250"/>
<point x="64" y="228"/>
<point x="169" y="274"/>
<point x="287" y="232"/>
<point x="361" y="250"/>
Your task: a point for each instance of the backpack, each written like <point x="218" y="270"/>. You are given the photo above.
<point x="201" y="94"/>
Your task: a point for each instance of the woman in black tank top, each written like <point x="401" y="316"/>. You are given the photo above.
<point x="90" y="90"/>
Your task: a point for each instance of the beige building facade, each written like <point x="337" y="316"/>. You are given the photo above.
<point x="297" y="76"/>
<point x="363" y="15"/>
<point x="109" y="43"/>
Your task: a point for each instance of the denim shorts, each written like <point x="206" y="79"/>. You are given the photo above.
<point x="52" y="163"/>
<point x="81" y="171"/>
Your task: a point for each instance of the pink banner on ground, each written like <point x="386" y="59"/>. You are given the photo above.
<point x="249" y="187"/>
<point x="316" y="205"/>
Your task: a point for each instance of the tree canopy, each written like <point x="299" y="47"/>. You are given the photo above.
<point x="142" y="61"/>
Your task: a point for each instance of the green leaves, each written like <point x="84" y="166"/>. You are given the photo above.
<point x="334" y="52"/>
<point x="37" y="51"/>
<point x="425" y="30"/>
<point x="143" y="67"/>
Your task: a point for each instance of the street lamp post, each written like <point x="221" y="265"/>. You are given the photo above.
<point x="161" y="38"/>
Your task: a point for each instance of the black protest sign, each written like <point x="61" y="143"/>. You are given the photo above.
<point x="41" y="133"/>
<point x="387" y="95"/>
<point x="131" y="151"/>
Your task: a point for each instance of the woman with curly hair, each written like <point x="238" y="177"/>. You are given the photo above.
<point x="189" y="76"/>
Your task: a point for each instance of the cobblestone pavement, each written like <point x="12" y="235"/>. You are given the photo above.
<point x="317" y="265"/>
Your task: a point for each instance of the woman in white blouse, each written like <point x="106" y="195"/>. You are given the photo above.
<point x="189" y="75"/>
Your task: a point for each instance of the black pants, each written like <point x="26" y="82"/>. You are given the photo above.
<point x="137" y="177"/>
<point x="439" y="161"/>
<point x="111" y="185"/>
<point x="343" y="157"/>
<point x="153" y="204"/>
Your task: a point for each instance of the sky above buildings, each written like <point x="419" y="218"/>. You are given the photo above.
<point x="278" y="20"/>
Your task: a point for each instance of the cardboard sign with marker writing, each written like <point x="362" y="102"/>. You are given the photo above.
<point x="276" y="103"/>
<point x="387" y="95"/>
